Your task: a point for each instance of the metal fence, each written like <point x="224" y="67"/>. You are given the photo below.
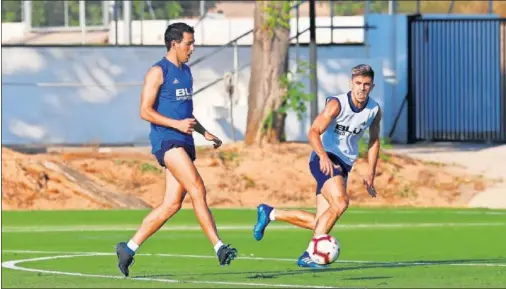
<point x="457" y="79"/>
<point x="61" y="14"/>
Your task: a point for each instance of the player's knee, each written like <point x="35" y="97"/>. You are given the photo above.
<point x="312" y="224"/>
<point x="339" y="205"/>
<point x="197" y="190"/>
<point x="174" y="206"/>
<point x="170" y="208"/>
<point x="343" y="204"/>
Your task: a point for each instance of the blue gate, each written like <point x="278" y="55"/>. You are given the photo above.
<point x="457" y="79"/>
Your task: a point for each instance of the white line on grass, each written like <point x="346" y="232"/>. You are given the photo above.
<point x="258" y="258"/>
<point x="84" y="228"/>
<point x="439" y="212"/>
<point x="14" y="266"/>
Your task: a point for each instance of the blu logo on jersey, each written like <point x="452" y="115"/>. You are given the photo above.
<point x="183" y="94"/>
<point x="343" y="129"/>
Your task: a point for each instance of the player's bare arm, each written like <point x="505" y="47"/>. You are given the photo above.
<point x="374" y="147"/>
<point x="152" y="82"/>
<point x="207" y="135"/>
<point x="320" y="124"/>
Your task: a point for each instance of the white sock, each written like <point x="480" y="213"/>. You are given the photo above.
<point x="272" y="215"/>
<point x="131" y="244"/>
<point x="310" y="246"/>
<point x="218" y="246"/>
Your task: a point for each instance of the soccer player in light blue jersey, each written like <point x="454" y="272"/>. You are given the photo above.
<point x="334" y="136"/>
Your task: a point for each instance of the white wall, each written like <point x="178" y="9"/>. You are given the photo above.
<point x="12" y="31"/>
<point x="212" y="31"/>
<point x="107" y="109"/>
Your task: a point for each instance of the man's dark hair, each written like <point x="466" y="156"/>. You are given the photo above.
<point x="362" y="70"/>
<point x="175" y="32"/>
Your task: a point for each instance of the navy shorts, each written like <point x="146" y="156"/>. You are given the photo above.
<point x="320" y="177"/>
<point x="170" y="144"/>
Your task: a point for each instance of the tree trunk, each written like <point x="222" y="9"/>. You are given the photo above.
<point x="269" y="57"/>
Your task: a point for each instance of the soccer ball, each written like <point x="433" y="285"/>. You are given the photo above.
<point x="324" y="249"/>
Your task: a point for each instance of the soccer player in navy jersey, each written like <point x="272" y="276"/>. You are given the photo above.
<point x="166" y="102"/>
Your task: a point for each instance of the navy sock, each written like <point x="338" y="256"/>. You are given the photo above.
<point x="130" y="251"/>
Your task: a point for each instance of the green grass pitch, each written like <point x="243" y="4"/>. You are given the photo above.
<point x="387" y="247"/>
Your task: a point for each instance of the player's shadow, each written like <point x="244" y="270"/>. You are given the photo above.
<point x="367" y="278"/>
<point x="337" y="268"/>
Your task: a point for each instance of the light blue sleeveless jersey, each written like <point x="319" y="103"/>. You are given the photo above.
<point x="342" y="135"/>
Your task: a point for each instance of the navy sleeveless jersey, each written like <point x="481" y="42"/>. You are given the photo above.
<point x="174" y="101"/>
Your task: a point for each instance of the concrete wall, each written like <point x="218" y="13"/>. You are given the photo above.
<point x="212" y="31"/>
<point x="13" y="31"/>
<point x="100" y="101"/>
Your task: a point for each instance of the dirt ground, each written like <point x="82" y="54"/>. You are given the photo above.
<point x="235" y="176"/>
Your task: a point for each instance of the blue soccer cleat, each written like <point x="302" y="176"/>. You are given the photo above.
<point x="263" y="220"/>
<point x="306" y="262"/>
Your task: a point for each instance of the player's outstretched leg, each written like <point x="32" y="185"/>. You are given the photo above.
<point x="182" y="168"/>
<point x="174" y="196"/>
<point x="299" y="218"/>
<point x="267" y="214"/>
<point x="337" y="200"/>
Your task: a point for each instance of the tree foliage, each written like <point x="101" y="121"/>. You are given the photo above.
<point x="295" y="97"/>
<point x="11" y="11"/>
